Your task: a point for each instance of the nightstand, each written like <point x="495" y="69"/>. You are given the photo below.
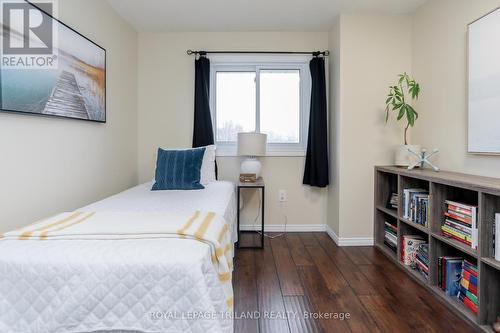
<point x="259" y="184"/>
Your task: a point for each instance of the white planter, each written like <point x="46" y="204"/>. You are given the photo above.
<point x="403" y="157"/>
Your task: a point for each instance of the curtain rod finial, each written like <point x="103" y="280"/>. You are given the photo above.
<point x="327" y="53"/>
<point x="189" y="52"/>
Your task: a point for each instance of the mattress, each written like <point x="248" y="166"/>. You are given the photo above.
<point x="152" y="285"/>
<point x="218" y="197"/>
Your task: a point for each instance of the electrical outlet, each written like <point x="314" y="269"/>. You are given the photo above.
<point x="282" y="195"/>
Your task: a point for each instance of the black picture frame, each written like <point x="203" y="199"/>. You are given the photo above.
<point x="21" y="112"/>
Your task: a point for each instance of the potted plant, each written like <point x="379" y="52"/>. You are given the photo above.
<point x="404" y="91"/>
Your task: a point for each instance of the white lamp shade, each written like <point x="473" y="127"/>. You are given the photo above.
<point x="252" y="144"/>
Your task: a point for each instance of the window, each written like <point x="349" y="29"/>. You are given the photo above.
<point x="265" y="97"/>
<point x="235" y="104"/>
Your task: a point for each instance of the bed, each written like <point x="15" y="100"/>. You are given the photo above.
<point x="131" y="285"/>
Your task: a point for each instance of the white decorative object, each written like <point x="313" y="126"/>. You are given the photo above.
<point x="251" y="165"/>
<point x="423" y="159"/>
<point x="484" y="83"/>
<point x="252" y="145"/>
<point x="403" y="157"/>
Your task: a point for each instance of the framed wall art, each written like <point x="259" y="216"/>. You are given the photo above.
<point x="47" y="67"/>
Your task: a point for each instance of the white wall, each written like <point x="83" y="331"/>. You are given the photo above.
<point x="373" y="50"/>
<point x="334" y="127"/>
<point x="49" y="165"/>
<point x="440" y="65"/>
<point x="166" y="93"/>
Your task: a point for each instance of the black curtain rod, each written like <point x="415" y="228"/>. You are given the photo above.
<point x="314" y="53"/>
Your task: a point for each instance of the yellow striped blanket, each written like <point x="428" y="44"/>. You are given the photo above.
<point x="206" y="227"/>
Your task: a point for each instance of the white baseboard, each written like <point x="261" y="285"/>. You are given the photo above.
<point x="349" y="241"/>
<point x="289" y="228"/>
<point x="345" y="241"/>
<point x="332" y="235"/>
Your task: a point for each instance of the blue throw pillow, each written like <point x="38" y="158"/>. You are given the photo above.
<point x="178" y="169"/>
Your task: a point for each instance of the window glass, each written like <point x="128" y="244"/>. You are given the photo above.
<point x="235" y="104"/>
<point x="280" y="105"/>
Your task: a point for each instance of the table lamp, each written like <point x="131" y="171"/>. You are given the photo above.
<point x="251" y="145"/>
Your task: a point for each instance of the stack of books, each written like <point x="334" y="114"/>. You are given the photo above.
<point x="460" y="223"/>
<point x="409" y="247"/>
<point x="422" y="260"/>
<point x="450" y="274"/>
<point x="416" y="205"/>
<point x="468" y="286"/>
<point x="391" y="236"/>
<point x="393" y="201"/>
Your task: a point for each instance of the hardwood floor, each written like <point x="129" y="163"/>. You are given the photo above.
<point x="308" y="272"/>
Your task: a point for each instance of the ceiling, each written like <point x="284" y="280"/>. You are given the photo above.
<point x="249" y="15"/>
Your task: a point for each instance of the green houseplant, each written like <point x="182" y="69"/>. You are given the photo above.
<point x="405" y="91"/>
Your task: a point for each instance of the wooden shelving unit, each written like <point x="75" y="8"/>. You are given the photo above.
<point x="481" y="191"/>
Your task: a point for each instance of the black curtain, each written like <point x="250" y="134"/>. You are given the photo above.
<point x="203" y="133"/>
<point x="316" y="169"/>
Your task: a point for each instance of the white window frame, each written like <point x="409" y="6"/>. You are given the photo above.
<point x="256" y="64"/>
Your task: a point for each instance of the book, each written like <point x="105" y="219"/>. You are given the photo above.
<point x="407" y="197"/>
<point x="391" y="230"/>
<point x="462" y="213"/>
<point x="458" y="226"/>
<point x="497" y="236"/>
<point x="393" y="201"/>
<point x="421" y="215"/>
<point x="470" y="276"/>
<point x="469" y="295"/>
<point x="468" y="286"/>
<point x="449" y="274"/>
<point x="390" y="235"/>
<point x="391" y="227"/>
<point x="422" y="259"/>
<point x="457" y="238"/>
<point x="459" y="211"/>
<point x="459" y="215"/>
<point x="453" y="271"/>
<point x="470" y="267"/>
<point x="409" y="248"/>
<point x="391" y="239"/>
<point x="467" y="292"/>
<point x="465" y="221"/>
<point x="423" y="252"/>
<point x="475" y="231"/>
<point x="440" y="275"/>
<point x="391" y="246"/>
<point x="457" y="232"/>
<point x="416" y="205"/>
<point x="468" y="303"/>
<point x="466" y="209"/>
<point x="422" y="266"/>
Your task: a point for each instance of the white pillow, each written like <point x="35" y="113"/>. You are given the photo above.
<point x="207" y="171"/>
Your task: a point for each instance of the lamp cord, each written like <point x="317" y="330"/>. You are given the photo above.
<point x="285" y="217"/>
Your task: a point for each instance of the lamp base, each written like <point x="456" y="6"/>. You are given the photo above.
<point x="251" y="165"/>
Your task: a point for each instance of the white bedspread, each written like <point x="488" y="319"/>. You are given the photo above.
<point x="153" y="285"/>
<point x="218" y="197"/>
